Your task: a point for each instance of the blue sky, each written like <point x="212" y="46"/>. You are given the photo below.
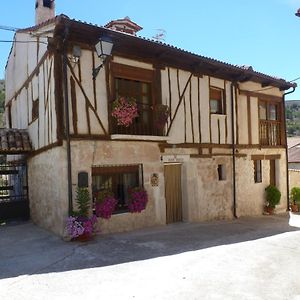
<point x="262" y="33"/>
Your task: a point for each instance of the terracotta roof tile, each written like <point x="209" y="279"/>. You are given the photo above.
<point x="14" y="141"/>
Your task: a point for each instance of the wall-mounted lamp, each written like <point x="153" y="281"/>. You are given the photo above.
<point x="103" y="49"/>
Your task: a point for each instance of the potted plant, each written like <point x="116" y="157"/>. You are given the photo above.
<point x="138" y="199"/>
<point x="162" y="113"/>
<point x="124" y="109"/>
<point x="79" y="225"/>
<point x="273" y="196"/>
<point x="295" y="199"/>
<point x="105" y="204"/>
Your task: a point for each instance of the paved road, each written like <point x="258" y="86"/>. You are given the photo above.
<point x="248" y="258"/>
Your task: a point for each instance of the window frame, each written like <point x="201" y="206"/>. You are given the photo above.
<point x="151" y="77"/>
<point x="257" y="170"/>
<point x="221" y="101"/>
<point x="114" y="171"/>
<point x="221" y="172"/>
<point x="35" y="110"/>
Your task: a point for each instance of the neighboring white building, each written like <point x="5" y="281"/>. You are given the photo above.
<point x="223" y="143"/>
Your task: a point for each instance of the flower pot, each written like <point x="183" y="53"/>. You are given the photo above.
<point x="269" y="210"/>
<point x="294" y="208"/>
<point x="85" y="237"/>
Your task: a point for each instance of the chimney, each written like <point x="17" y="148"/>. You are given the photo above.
<point x="44" y="10"/>
<point x="124" y="25"/>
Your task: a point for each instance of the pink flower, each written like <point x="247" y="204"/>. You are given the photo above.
<point x="125" y="110"/>
<point x="138" y="199"/>
<point x="105" y="208"/>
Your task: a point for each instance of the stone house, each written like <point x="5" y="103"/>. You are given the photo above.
<point x="223" y="141"/>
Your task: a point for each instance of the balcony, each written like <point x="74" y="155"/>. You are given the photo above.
<point x="270" y="133"/>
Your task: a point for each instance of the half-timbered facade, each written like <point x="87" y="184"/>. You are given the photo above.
<point x="223" y="142"/>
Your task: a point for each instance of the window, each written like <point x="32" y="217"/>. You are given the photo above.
<point x="117" y="179"/>
<point x="257" y="171"/>
<point x="139" y="84"/>
<point x="221" y="172"/>
<point x="216" y="101"/>
<point x="270" y="125"/>
<point x="35" y="110"/>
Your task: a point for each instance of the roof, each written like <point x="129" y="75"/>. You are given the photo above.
<point x="161" y="52"/>
<point x="14" y="141"/>
<point x="293" y="141"/>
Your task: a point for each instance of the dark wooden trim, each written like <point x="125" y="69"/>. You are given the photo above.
<point x="58" y="92"/>
<point x="46" y="148"/>
<point x="179" y="103"/>
<point x="79" y="70"/>
<point x="209" y="114"/>
<point x="94" y="82"/>
<point x="199" y="109"/>
<point x="157" y="86"/>
<point x="240" y="155"/>
<point x="131" y="73"/>
<point x="87" y="112"/>
<point x="200" y="156"/>
<point x="99" y="170"/>
<point x="29" y="78"/>
<point x="88" y="102"/>
<point x="236" y="118"/>
<point x="258" y="157"/>
<point x="249" y="120"/>
<point x="108" y="91"/>
<point x="74" y="105"/>
<point x="226" y="129"/>
<point x="261" y="96"/>
<point x="273" y="156"/>
<point x="170" y="94"/>
<point x="219" y="132"/>
<point x="89" y="137"/>
<point x="191" y="112"/>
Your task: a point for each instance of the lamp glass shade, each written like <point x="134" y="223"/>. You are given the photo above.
<point x="104" y="46"/>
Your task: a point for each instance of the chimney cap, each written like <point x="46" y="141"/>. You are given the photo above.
<point x="124" y="25"/>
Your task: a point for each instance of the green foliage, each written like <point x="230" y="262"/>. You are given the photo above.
<point x="295" y="195"/>
<point x="83" y="202"/>
<point x="293" y="118"/>
<point x="2" y="101"/>
<point x="273" y="195"/>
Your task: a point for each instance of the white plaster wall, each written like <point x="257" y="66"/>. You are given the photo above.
<point x="48" y="196"/>
<point x="294" y="178"/>
<point x="254" y="120"/>
<point x="242" y="119"/>
<point x="256" y="87"/>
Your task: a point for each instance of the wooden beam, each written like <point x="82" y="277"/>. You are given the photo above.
<point x="179" y="103"/>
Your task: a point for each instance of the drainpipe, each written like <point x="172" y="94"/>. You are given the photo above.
<point x="233" y="84"/>
<point x="67" y="124"/>
<point x="286" y="151"/>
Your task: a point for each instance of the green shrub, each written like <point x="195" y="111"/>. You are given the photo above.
<point x="83" y="202"/>
<point x="295" y="195"/>
<point x="273" y="196"/>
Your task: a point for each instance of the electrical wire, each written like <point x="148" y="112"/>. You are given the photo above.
<point x="24" y="42"/>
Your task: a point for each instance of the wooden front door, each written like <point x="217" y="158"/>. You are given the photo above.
<point x="272" y="172"/>
<point x="173" y="193"/>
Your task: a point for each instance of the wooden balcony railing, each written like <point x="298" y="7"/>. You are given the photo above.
<point x="270" y="133"/>
<point x="144" y="124"/>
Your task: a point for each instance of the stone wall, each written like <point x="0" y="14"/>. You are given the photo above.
<point x="294" y="178"/>
<point x="48" y="189"/>
<point x="86" y="154"/>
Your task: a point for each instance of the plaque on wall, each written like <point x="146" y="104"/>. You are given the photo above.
<point x="154" y="179"/>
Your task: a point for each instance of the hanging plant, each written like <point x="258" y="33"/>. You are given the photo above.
<point x="138" y="199"/>
<point x="105" y="204"/>
<point x="125" y="110"/>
